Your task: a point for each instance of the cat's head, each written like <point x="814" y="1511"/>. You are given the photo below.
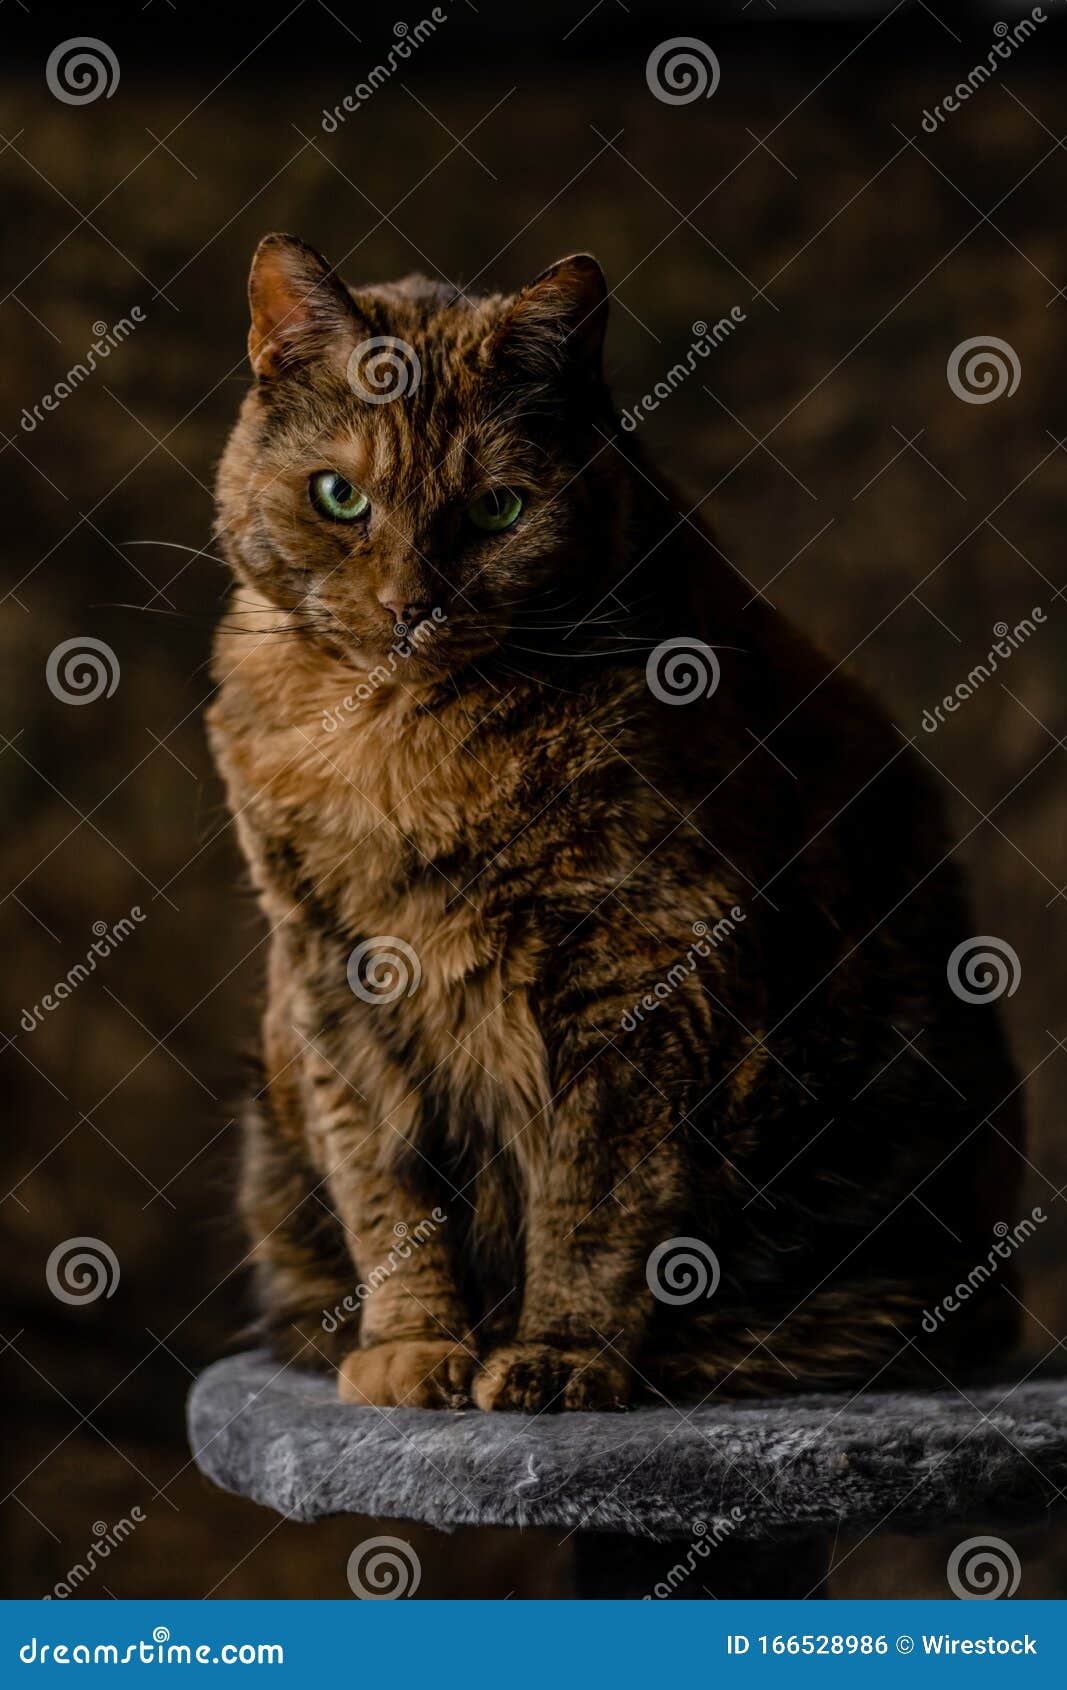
<point x="411" y="455"/>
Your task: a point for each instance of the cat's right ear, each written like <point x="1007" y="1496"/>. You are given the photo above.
<point x="300" y="310"/>
<point x="557" y="321"/>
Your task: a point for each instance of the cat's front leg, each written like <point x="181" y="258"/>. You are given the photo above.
<point x="608" y="1187"/>
<point x="414" y="1347"/>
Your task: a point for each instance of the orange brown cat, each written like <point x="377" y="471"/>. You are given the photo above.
<point x="577" y="967"/>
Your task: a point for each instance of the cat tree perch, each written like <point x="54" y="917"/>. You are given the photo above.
<point x="763" y="1486"/>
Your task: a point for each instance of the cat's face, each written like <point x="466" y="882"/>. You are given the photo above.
<point x="409" y="456"/>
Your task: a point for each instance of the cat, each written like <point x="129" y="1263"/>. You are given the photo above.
<point x="610" y="1049"/>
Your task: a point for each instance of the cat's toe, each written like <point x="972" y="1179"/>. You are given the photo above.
<point x="526" y="1377"/>
<point x="597" y="1383"/>
<point x="407" y="1373"/>
<point x="537" y="1378"/>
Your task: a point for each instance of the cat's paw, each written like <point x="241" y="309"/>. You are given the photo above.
<point x="536" y="1377"/>
<point x="407" y="1373"/>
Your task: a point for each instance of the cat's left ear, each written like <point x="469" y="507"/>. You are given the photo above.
<point x="300" y="309"/>
<point x="560" y="319"/>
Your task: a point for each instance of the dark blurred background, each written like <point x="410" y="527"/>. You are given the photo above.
<point x="843" y="475"/>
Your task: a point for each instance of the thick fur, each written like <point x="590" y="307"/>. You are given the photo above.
<point x="763" y="1471"/>
<point x="510" y="799"/>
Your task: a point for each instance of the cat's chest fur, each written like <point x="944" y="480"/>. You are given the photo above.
<point x="378" y="839"/>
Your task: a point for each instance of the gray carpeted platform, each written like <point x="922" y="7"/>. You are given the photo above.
<point x="794" y="1465"/>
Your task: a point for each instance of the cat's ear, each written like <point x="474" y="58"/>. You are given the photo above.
<point x="559" y="319"/>
<point x="300" y="310"/>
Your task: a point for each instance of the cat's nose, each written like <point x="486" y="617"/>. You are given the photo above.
<point x="405" y="615"/>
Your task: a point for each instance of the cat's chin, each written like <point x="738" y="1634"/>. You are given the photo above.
<point x="380" y="659"/>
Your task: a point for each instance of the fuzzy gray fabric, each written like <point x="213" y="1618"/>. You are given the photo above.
<point x="282" y="1438"/>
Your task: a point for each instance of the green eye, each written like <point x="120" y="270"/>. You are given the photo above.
<point x="336" y="498"/>
<point x="495" y="510"/>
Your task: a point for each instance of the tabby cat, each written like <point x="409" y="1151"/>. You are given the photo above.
<point x="610" y="1046"/>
